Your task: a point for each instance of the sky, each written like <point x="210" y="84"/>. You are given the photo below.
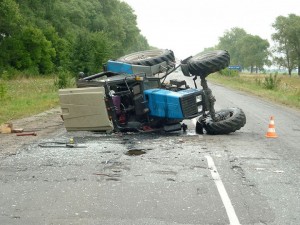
<point x="189" y="26"/>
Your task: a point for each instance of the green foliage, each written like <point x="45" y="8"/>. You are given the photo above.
<point x="229" y="41"/>
<point x="245" y="49"/>
<point x="3" y="91"/>
<point x="91" y="50"/>
<point x="64" y="80"/>
<point x="287" y="39"/>
<point x="254" y="52"/>
<point x="229" y="73"/>
<point x="52" y="35"/>
<point x="61" y="46"/>
<point x="271" y="82"/>
<point x="10" y="17"/>
<point x="4" y="75"/>
<point x="39" y="48"/>
<point x="258" y="81"/>
<point x="28" y="49"/>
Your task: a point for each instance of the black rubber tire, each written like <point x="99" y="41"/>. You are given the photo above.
<point x="149" y="58"/>
<point x="199" y="126"/>
<point x="207" y="63"/>
<point x="232" y="120"/>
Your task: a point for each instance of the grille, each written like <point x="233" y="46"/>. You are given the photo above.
<point x="188" y="105"/>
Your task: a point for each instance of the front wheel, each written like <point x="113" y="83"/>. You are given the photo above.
<point x="207" y="63"/>
<point x="228" y="120"/>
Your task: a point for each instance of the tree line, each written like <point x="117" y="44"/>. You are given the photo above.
<point x="47" y="36"/>
<point x="253" y="52"/>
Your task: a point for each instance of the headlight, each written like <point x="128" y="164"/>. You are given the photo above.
<point x="198" y="98"/>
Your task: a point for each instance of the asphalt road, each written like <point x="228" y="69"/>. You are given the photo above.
<point x="176" y="178"/>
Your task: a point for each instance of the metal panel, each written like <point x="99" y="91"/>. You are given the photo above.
<point x="84" y="109"/>
<point x="164" y="103"/>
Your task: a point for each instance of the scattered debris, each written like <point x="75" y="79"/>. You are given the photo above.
<point x="102" y="174"/>
<point x="260" y="169"/>
<point x="171" y="179"/>
<point x="57" y="144"/>
<point x="6" y="128"/>
<point x="180" y="141"/>
<point x="27" y="134"/>
<point x="134" y="152"/>
<point x="71" y="141"/>
<point x="18" y="130"/>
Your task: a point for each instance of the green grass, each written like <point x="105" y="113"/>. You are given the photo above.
<point x="23" y="97"/>
<point x="287" y="92"/>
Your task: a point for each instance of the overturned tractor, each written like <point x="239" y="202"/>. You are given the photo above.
<point x="132" y="94"/>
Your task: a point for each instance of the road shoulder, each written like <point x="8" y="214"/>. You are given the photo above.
<point x="43" y="124"/>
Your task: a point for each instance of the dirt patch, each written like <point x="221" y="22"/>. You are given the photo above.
<point x="43" y="124"/>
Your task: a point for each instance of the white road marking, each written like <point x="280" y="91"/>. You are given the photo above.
<point x="222" y="191"/>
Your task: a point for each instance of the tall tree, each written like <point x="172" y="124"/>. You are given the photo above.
<point x="71" y="35"/>
<point x="245" y="49"/>
<point x="287" y="38"/>
<point x="254" y="52"/>
<point x="229" y="41"/>
<point x="91" y="51"/>
<point x="10" y="18"/>
<point x="28" y="50"/>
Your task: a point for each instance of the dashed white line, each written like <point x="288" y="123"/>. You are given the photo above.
<point x="233" y="219"/>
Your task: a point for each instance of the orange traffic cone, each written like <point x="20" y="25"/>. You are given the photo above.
<point x="271" y="130"/>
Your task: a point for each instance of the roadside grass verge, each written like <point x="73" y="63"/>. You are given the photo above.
<point x="23" y="97"/>
<point x="281" y="88"/>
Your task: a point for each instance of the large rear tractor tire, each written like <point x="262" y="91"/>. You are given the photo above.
<point x="228" y="120"/>
<point x="149" y="58"/>
<point x="207" y="63"/>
